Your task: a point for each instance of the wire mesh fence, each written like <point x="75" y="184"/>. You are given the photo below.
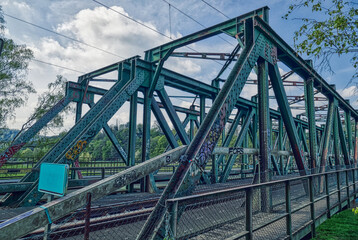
<point x="272" y="210"/>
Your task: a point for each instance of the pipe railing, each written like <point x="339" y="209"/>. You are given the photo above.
<point x="295" y="206"/>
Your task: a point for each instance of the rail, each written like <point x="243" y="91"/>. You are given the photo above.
<point x="290" y="208"/>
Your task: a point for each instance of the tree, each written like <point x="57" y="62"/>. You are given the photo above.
<point x="56" y="91"/>
<point x="14" y="88"/>
<point x="331" y="30"/>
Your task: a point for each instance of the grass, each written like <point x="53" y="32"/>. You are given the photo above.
<point x="343" y="225"/>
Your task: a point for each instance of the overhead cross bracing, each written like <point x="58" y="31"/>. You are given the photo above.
<point x="235" y="133"/>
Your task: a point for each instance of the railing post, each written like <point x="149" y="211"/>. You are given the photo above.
<point x="347" y="185"/>
<point x="173" y="220"/>
<point x="354" y="183"/>
<point x="339" y="190"/>
<point x="249" y="235"/>
<point x="288" y="210"/>
<point x="102" y="173"/>
<point x="327" y="194"/>
<point x="313" y="217"/>
<point x="47" y="229"/>
<point x="87" y="216"/>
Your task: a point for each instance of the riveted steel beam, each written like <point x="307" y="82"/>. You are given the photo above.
<point x="287" y="117"/>
<point x="36" y="218"/>
<point x="24" y="137"/>
<point x="356" y="144"/>
<point x="73" y="143"/>
<point x="310" y="112"/>
<point x="327" y="134"/>
<point x="342" y="139"/>
<point x="231" y="133"/>
<point x="337" y="159"/>
<point x="203" y="144"/>
<point x="173" y="116"/>
<point x="232" y="27"/>
<point x="243" y="132"/>
<point x="164" y="125"/>
<point x="289" y="57"/>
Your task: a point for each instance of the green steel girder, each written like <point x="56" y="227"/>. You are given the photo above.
<point x="356" y="143"/>
<point x="287" y="117"/>
<point x="337" y="159"/>
<point x="310" y="110"/>
<point x="164" y="125"/>
<point x="107" y="69"/>
<point x="73" y="91"/>
<point x="264" y="122"/>
<point x="349" y="131"/>
<point x="289" y="57"/>
<point x="242" y="135"/>
<point x="327" y="134"/>
<point x="342" y="139"/>
<point x="154" y="81"/>
<point x="280" y="142"/>
<point x="132" y="133"/>
<point x="114" y="140"/>
<point x="303" y="138"/>
<point x="145" y="185"/>
<point x="37" y="217"/>
<point x="173" y="116"/>
<point x="184" y="123"/>
<point x="232" y="27"/>
<point x="85" y="130"/>
<point x="208" y="134"/>
<point x="26" y="136"/>
<point x="231" y="133"/>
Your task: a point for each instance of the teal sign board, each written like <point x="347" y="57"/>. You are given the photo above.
<point x="53" y="178"/>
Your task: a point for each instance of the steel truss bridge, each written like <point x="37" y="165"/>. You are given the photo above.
<point x="299" y="173"/>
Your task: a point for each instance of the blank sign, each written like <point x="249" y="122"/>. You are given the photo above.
<point x="53" y="179"/>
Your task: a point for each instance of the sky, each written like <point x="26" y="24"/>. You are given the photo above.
<point x="118" y="38"/>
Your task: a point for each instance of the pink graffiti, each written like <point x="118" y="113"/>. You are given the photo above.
<point x="9" y="153"/>
<point x="77" y="164"/>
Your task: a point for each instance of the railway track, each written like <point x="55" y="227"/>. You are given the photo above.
<point x="114" y="215"/>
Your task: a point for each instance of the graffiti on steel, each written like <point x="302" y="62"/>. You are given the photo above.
<point x="76" y="150"/>
<point x="10" y="152"/>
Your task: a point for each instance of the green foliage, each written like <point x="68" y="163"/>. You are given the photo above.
<point x="14" y="88"/>
<point x="343" y="225"/>
<point x="331" y="29"/>
<point x="55" y="92"/>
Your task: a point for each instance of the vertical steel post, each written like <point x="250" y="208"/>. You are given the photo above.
<point x="339" y="190"/>
<point x="245" y="156"/>
<point x="264" y="131"/>
<point x="347" y="188"/>
<point x="48" y="226"/>
<point x="288" y="210"/>
<point x="337" y="161"/>
<point x="349" y="131"/>
<point x="144" y="183"/>
<point x="310" y="111"/>
<point x="313" y="216"/>
<point x="132" y="133"/>
<point x="87" y="217"/>
<point x="280" y="144"/>
<point x="327" y="196"/>
<point x="327" y="134"/>
<point x="248" y="215"/>
<point x="356" y="143"/>
<point x="354" y="183"/>
<point x="191" y="130"/>
<point x="286" y="114"/>
<point x="202" y="108"/>
<point x="173" y="220"/>
<point x="342" y="139"/>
